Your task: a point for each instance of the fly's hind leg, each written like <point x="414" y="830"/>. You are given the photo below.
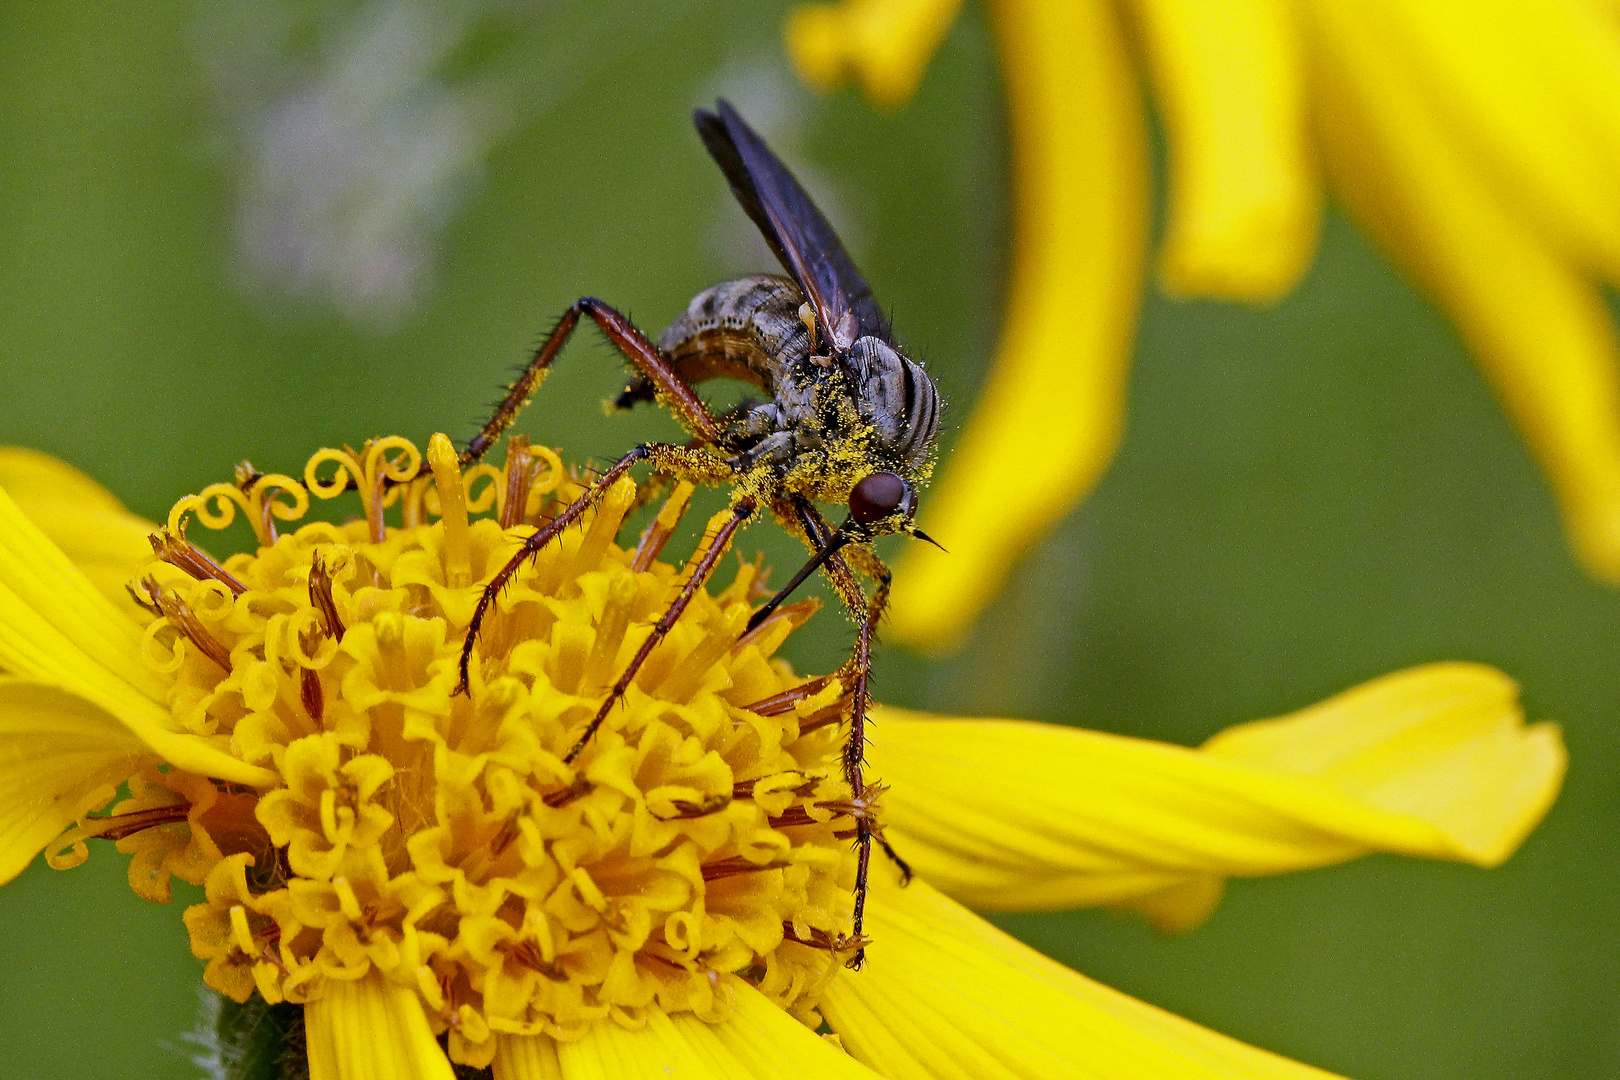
<point x="692" y="462"/>
<point x="646" y="357"/>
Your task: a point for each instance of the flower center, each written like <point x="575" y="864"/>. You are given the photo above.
<point x="441" y="839"/>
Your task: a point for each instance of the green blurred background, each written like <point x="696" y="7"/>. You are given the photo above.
<point x="1308" y="496"/>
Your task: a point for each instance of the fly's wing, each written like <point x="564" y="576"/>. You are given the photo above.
<point x="801" y="237"/>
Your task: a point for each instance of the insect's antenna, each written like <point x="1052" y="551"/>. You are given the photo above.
<point x="834" y="545"/>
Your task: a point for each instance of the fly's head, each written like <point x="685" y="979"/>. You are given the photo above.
<point x="897" y="407"/>
<point x="881" y="503"/>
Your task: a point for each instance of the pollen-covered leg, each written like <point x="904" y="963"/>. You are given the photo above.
<point x="719" y="539"/>
<point x="860" y="665"/>
<point x="653" y="365"/>
<point x="856" y="674"/>
<point x="693" y="463"/>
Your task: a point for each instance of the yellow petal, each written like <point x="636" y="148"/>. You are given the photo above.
<point x="60" y="757"/>
<point x="1006" y="814"/>
<point x="764" y="1041"/>
<point x="1050" y="416"/>
<point x="758" y="1040"/>
<point x="371" y="1029"/>
<point x="1444" y="743"/>
<point x="1540" y="330"/>
<point x="55" y="627"/>
<point x="526" y="1057"/>
<point x="946" y="996"/>
<point x="656" y="1052"/>
<point x="884" y="44"/>
<point x="55" y="624"/>
<point x="83" y="518"/>
<point x="1244" y="195"/>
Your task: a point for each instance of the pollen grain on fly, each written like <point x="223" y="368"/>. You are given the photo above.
<point x="467" y="845"/>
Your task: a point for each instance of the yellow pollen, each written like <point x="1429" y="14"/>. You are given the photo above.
<point x="447" y="840"/>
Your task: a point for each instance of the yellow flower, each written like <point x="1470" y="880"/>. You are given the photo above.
<point x="433" y="882"/>
<point x="1478" y="143"/>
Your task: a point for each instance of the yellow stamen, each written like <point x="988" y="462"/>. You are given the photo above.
<point x="174" y="549"/>
<point x="453" y="503"/>
<point x="616" y="614"/>
<point x="348" y="903"/>
<point x="658" y="533"/>
<point x="519" y="478"/>
<point x="241" y="933"/>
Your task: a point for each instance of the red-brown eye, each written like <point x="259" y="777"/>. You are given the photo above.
<point x="876" y="497"/>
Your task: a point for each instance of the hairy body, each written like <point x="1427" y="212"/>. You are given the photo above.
<point x="755" y="329"/>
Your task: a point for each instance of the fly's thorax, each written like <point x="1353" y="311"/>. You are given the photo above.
<point x="831" y="416"/>
<point x="748" y="329"/>
<point x="895" y="396"/>
<point x="838" y="448"/>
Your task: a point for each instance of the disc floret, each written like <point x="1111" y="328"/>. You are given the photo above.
<point x="443" y="840"/>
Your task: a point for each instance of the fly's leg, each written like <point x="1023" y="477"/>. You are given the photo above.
<point x="532" y="546"/>
<point x="855" y="757"/>
<point x="818" y="531"/>
<point x="718" y="545"/>
<point x="653" y="365"/>
<point x="860" y="663"/>
<point x="693" y="462"/>
<point x="682" y="461"/>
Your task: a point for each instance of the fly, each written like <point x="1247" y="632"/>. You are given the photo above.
<point x="846" y="418"/>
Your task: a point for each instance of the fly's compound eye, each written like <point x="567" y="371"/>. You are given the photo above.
<point x="877" y="496"/>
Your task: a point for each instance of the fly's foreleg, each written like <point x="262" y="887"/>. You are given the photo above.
<point x="643" y="355"/>
<point x="858" y="676"/>
<point x="533" y="545"/>
<point x="855" y="755"/>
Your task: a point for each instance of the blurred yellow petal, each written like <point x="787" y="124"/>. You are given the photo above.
<point x="55" y="625"/>
<point x="371" y="1029"/>
<point x="1051" y="414"/>
<point x="60" y="757"/>
<point x="83" y="518"/>
<point x="1529" y="92"/>
<point x="1432" y="762"/>
<point x="884" y="44"/>
<point x="1244" y="195"/>
<point x="1542" y="332"/>
<point x="758" y="1041"/>
<point x="57" y="628"/>
<point x="946" y="996"/>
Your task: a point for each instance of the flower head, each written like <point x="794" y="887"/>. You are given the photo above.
<point x="1475" y="143"/>
<point x="432" y="879"/>
<point x="440" y="841"/>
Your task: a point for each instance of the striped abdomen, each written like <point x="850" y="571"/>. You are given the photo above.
<point x="746" y="329"/>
